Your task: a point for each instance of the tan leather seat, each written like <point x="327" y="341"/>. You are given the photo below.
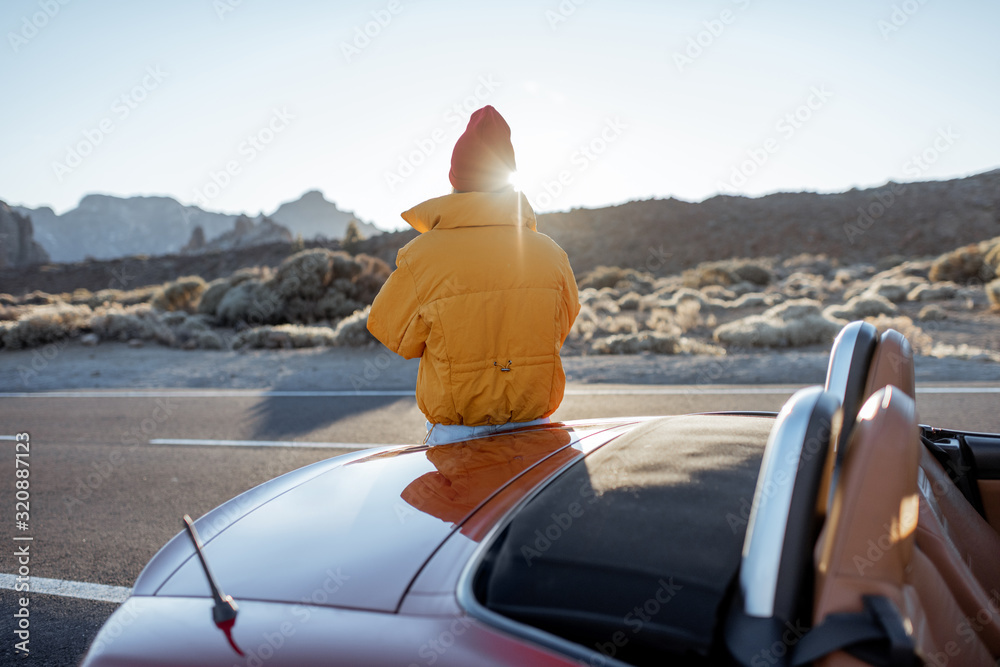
<point x="964" y="548"/>
<point x="892" y="364"/>
<point x="867" y="546"/>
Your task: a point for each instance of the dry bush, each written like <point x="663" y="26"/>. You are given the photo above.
<point x="602" y="276"/>
<point x="805" y="263"/>
<point x="212" y="296"/>
<point x="803" y="286"/>
<point x="663" y="320"/>
<point x="591" y="324"/>
<point x="920" y="341"/>
<point x="181" y="294"/>
<point x="728" y="272"/>
<point x="933" y="292"/>
<point x="893" y="289"/>
<point x="46" y="324"/>
<point x="251" y="302"/>
<point x="655" y="342"/>
<point x="719" y="292"/>
<point x="757" y="300"/>
<point x="993" y="292"/>
<point x="932" y="313"/>
<point x="688" y="315"/>
<point x="860" y="307"/>
<point x="962" y="351"/>
<point x="630" y="301"/>
<point x="352" y="331"/>
<point x="791" y="324"/>
<point x="123" y="323"/>
<point x="374" y="272"/>
<point x="992" y="256"/>
<point x="962" y="265"/>
<point x="284" y="336"/>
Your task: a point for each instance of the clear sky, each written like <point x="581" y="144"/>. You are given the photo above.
<point x="239" y="105"/>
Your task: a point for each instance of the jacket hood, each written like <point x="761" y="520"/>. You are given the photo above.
<point x="472" y="209"/>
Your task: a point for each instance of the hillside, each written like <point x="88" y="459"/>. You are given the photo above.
<point x="667" y="236"/>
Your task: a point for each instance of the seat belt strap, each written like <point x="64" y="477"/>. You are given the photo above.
<point x="877" y="635"/>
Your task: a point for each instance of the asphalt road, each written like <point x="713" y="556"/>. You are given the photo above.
<point x="104" y="499"/>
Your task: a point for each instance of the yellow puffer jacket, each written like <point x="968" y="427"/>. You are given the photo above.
<point x="486" y="301"/>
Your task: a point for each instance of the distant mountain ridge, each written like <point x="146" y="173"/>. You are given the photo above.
<point x="105" y="226"/>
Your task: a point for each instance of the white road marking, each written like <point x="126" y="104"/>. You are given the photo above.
<point x="680" y="390"/>
<point x="8" y="437"/>
<point x="69" y="589"/>
<point x="353" y="446"/>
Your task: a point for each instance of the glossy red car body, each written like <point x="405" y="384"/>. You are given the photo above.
<point x="354" y="560"/>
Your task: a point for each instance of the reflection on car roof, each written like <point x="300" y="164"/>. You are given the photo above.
<point x="641" y="538"/>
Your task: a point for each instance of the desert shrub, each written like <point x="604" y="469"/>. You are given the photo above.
<point x="38" y="298"/>
<point x="961" y="266"/>
<point x="212" y="296"/>
<point x="123" y="323"/>
<point x="352" y="331"/>
<point x="757" y="300"/>
<point x="591" y="324"/>
<point x="370" y="279"/>
<point x="718" y="292"/>
<point x="893" y="289"/>
<point x="962" y="351"/>
<point x="602" y="276"/>
<point x="655" y="342"/>
<point x="993" y="293"/>
<point x="803" y="286"/>
<point x="791" y="324"/>
<point x="752" y="271"/>
<point x="687" y="315"/>
<point x="992" y="256"/>
<point x="181" y="294"/>
<point x="707" y="274"/>
<point x="662" y="320"/>
<point x="630" y="301"/>
<point x="932" y="292"/>
<point x="250" y="302"/>
<point x="820" y="265"/>
<point x="729" y="272"/>
<point x="919" y="339"/>
<point x="305" y="274"/>
<point x="932" y="313"/>
<point x="284" y="336"/>
<point x="46" y="324"/>
<point x="862" y="306"/>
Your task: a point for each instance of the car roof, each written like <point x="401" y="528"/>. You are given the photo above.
<point x="658" y="514"/>
<point x="367" y="527"/>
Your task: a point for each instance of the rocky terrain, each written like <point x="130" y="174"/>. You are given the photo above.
<point x="17" y="243"/>
<point x="710" y="289"/>
<point x="245" y="233"/>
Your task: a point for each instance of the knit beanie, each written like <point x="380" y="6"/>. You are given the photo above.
<point x="483" y="159"/>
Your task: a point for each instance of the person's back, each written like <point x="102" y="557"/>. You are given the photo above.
<point x="480" y="295"/>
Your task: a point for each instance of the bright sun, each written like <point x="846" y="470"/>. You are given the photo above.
<point x="515" y="181"/>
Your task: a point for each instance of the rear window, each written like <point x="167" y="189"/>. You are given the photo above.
<point x="632" y="551"/>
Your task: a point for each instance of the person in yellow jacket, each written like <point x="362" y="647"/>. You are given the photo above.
<point x="484" y="299"/>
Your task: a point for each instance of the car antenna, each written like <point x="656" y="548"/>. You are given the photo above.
<point x="225" y="609"/>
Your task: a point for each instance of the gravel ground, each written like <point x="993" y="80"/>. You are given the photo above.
<point x="118" y="366"/>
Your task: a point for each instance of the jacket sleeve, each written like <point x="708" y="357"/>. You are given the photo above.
<point x="571" y="301"/>
<point x="395" y="314"/>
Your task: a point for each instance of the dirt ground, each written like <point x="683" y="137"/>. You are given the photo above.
<point x="70" y="365"/>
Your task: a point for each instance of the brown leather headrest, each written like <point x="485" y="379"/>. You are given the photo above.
<point x="868" y="540"/>
<point x="892" y="364"/>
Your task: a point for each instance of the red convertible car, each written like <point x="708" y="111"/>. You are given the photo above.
<point x="837" y="532"/>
